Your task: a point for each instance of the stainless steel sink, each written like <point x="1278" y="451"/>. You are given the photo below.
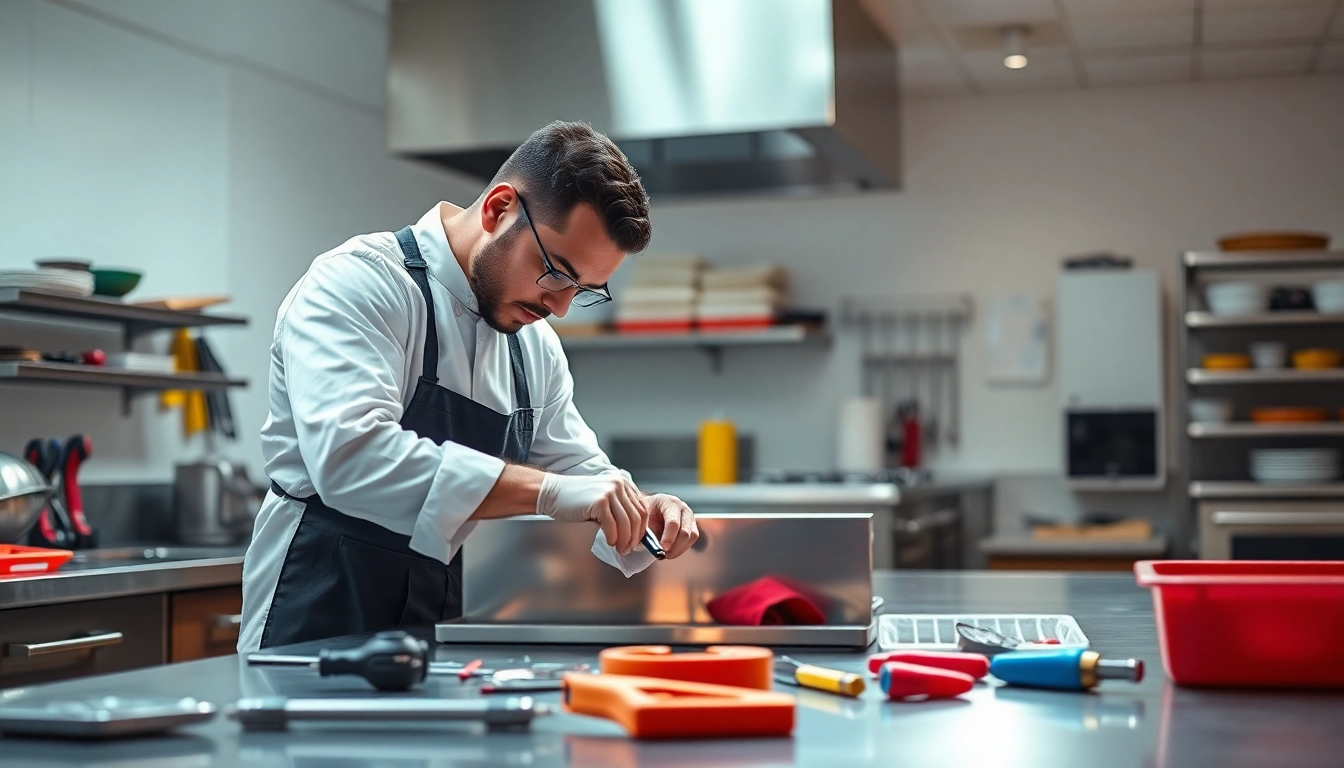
<point x="154" y="554"/>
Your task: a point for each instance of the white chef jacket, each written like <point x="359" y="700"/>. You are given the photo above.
<point x="346" y="355"/>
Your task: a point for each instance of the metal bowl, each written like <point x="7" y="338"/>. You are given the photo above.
<point x="23" y="493"/>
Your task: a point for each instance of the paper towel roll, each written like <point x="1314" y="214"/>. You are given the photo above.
<point x="860" y="440"/>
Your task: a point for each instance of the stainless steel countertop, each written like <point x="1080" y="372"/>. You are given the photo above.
<point x="783" y="494"/>
<point x="121" y="571"/>
<point x="864" y="495"/>
<point x="1120" y="725"/>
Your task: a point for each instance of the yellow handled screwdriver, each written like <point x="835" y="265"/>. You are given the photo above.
<point x="792" y="672"/>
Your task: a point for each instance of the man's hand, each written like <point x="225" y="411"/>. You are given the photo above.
<point x="672" y="522"/>
<point x="608" y="500"/>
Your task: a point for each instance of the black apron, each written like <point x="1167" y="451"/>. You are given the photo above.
<point x="343" y="575"/>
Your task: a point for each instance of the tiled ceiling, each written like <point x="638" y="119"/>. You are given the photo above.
<point x="955" y="47"/>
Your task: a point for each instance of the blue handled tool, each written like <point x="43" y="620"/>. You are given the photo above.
<point x="1068" y="669"/>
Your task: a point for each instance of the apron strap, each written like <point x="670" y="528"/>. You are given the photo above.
<point x="278" y="491"/>
<point x="416" y="266"/>
<point x="520" y="391"/>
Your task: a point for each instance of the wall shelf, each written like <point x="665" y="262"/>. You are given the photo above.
<point x="1211" y="489"/>
<point x="711" y="342"/>
<point x="1262" y="319"/>
<point x="1262" y="259"/>
<point x="1253" y="429"/>
<point x="135" y="320"/>
<point x="1205" y="377"/>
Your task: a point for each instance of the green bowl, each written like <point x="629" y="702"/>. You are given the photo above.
<point x="114" y="282"/>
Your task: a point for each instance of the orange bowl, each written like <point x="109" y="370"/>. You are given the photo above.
<point x="1288" y="415"/>
<point x="1231" y="361"/>
<point x="1317" y="359"/>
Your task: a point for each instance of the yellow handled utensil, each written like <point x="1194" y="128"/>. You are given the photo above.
<point x="835" y="681"/>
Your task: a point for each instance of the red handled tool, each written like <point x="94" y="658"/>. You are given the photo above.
<point x="77" y="450"/>
<point x="902" y="681"/>
<point x="655" y="708"/>
<point x="973" y="664"/>
<point x="49" y="532"/>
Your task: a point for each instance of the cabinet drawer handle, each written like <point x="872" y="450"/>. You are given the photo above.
<point x="227" y="620"/>
<point x="86" y="643"/>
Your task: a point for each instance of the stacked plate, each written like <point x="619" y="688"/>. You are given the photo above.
<point x="139" y="361"/>
<point x="67" y="281"/>
<point x="1294" y="465"/>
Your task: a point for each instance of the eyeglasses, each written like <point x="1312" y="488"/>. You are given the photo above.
<point x="555" y="280"/>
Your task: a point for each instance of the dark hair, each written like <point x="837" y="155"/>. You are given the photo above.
<point x="564" y="164"/>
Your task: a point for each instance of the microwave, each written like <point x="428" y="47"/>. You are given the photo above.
<point x="1271" y="530"/>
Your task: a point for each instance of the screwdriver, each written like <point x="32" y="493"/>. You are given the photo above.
<point x="276" y="713"/>
<point x="389" y="661"/>
<point x="1070" y="669"/>
<point x="793" y="672"/>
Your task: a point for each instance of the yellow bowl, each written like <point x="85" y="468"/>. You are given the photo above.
<point x="1231" y="361"/>
<point x="1316" y="359"/>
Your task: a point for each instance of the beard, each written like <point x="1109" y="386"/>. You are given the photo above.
<point x="489" y="280"/>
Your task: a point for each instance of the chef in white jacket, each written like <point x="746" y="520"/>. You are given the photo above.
<point x="414" y="390"/>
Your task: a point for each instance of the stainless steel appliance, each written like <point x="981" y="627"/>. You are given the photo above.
<point x="214" y="502"/>
<point x="532" y="580"/>
<point x="1271" y="530"/>
<point x="703" y="97"/>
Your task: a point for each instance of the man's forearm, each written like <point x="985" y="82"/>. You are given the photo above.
<point x="514" y="493"/>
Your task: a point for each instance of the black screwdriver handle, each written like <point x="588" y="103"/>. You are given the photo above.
<point x="390" y="661"/>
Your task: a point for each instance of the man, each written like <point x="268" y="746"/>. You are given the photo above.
<point x="413" y="392"/>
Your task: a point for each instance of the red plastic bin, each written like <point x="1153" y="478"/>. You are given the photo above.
<point x="1249" y="623"/>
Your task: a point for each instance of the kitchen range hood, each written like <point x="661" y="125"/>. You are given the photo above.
<point x="706" y="97"/>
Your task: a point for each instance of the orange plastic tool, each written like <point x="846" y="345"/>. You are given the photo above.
<point x="656" y="708"/>
<point x="744" y="666"/>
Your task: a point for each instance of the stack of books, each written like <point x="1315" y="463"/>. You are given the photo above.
<point x="740" y="297"/>
<point x="661" y="296"/>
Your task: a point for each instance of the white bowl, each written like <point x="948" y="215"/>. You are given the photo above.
<point x="1269" y="354"/>
<point x="1328" y="296"/>
<point x="1237" y="297"/>
<point x="1210" y="410"/>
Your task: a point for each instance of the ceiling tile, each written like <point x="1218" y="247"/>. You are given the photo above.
<point x="1261" y="23"/>
<point x="1266" y="61"/>
<point x="1146" y="30"/>
<point x="1038" y="60"/>
<point x="1076" y="8"/>
<point x="1337" y="29"/>
<point x="990" y="11"/>
<point x="929" y="90"/>
<point x="1332" y="58"/>
<point x="1056" y="81"/>
<point x="1139" y="69"/>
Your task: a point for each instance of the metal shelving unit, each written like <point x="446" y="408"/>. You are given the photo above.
<point x="1214" y="452"/>
<point x="134" y="321"/>
<point x="711" y="342"/>
<point x="1252" y="429"/>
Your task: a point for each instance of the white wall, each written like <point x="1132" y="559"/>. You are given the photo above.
<point x="217" y="147"/>
<point x="997" y="190"/>
<point x="220" y="145"/>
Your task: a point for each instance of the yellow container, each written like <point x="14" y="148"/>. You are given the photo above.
<point x="718" y="452"/>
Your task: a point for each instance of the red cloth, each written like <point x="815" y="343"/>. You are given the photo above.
<point x="764" y="601"/>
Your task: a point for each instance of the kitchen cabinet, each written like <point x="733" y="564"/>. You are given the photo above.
<point x="204" y="623"/>
<point x="68" y="640"/>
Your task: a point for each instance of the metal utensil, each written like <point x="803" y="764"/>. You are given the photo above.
<point x="276" y="713"/>
<point x="23" y="494"/>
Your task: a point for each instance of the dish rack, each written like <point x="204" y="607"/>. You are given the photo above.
<point x="936" y="631"/>
<point x="1218" y="454"/>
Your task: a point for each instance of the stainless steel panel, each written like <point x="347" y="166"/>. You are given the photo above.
<point x="702" y="95"/>
<point x="533" y="571"/>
